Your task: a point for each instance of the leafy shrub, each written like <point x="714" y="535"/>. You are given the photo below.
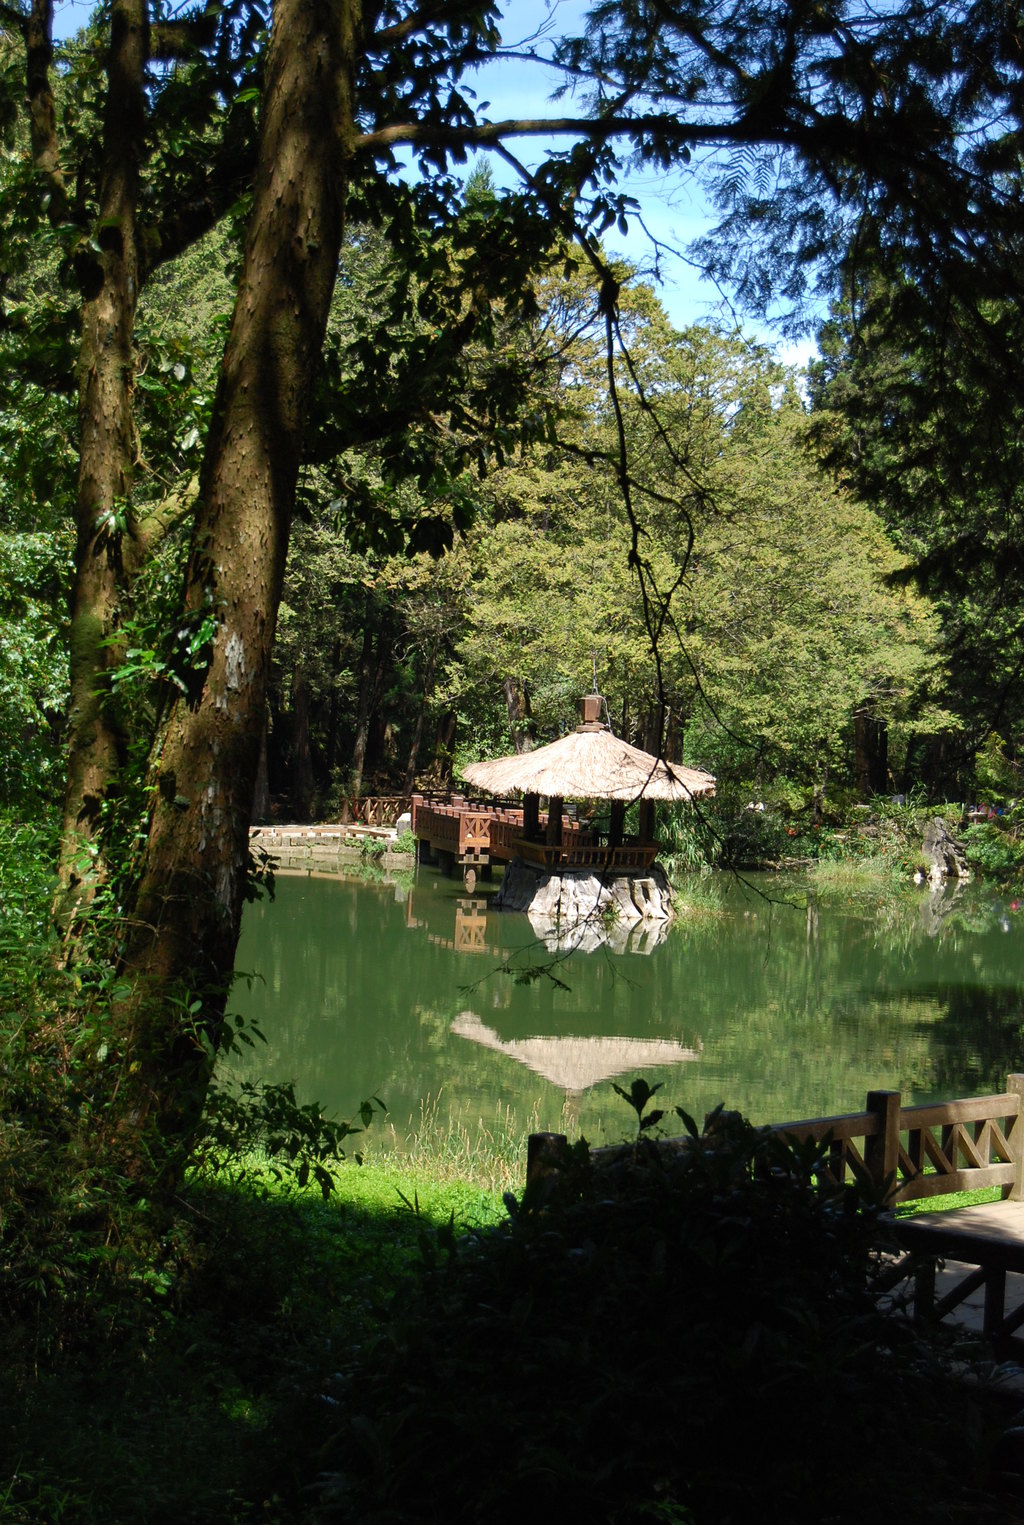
<point x="676" y="1336"/>
<point x="994" y="849"/>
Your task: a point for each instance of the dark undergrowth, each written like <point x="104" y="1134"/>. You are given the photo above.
<point x="688" y="1339"/>
<point x="202" y="1393"/>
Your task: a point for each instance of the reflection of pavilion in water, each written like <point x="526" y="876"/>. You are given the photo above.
<point x="575" y="1064"/>
<point x="470" y="934"/>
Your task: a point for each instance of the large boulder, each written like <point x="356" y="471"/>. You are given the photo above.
<point x="943" y="855"/>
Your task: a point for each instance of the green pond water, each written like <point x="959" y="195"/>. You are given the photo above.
<point x="783" y="1007"/>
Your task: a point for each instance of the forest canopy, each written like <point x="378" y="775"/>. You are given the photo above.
<point x="500" y="461"/>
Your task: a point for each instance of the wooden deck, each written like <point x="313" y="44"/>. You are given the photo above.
<point x="477" y="833"/>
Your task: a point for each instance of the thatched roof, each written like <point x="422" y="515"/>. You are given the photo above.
<point x="590" y="763"/>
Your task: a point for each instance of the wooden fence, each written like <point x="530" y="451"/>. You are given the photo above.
<point x="904" y="1152"/>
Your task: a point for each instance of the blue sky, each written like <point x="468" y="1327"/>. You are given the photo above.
<point x="672" y="207"/>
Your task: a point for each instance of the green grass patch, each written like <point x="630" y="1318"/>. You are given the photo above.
<point x="204" y="1392"/>
<point x="949" y="1201"/>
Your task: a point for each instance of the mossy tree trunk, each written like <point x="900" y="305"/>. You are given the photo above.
<point x="108" y="540"/>
<point x="191" y="891"/>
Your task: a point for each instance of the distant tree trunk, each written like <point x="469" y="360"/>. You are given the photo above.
<point x="379" y="727"/>
<point x="417" y="735"/>
<point x="444" y="746"/>
<point x="108" y="551"/>
<point x="187" y="911"/>
<point x="366" y="682"/>
<point x="653" y="730"/>
<point x="303" y="783"/>
<point x="818" y="795"/>
<point x="675" y="735"/>
<point x="871" y="754"/>
<point x="520" y="717"/>
<point x="332" y="714"/>
<point x="261" y="793"/>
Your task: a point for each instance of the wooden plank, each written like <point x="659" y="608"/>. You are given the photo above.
<point x="968" y="1110"/>
<point x="942" y="1183"/>
<point x="845" y="1125"/>
<point x="990" y="1234"/>
<point x="968" y="1149"/>
<point x="937" y="1154"/>
<point x="960" y="1293"/>
<point x="998" y="1145"/>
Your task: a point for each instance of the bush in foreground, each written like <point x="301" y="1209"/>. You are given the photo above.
<point x="686" y="1337"/>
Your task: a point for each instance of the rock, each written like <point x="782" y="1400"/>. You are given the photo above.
<point x="569" y="898"/>
<point x="944" y="856"/>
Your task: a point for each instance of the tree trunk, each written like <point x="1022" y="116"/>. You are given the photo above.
<point x="302" y="760"/>
<point x="261" y="791"/>
<point x="444" y="747"/>
<point x="366" y="681"/>
<point x="520" y="716"/>
<point x="107" y="550"/>
<point x="332" y="714"/>
<point x="417" y="735"/>
<point x="190" y="894"/>
<point x="871" y="754"/>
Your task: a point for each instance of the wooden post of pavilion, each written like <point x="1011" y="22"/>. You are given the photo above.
<point x="616" y="823"/>
<point x="553" y="836"/>
<point x="646" y="828"/>
<point x="531" y="817"/>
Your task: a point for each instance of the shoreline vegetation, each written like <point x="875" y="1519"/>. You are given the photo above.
<point x="308" y="1358"/>
<point x="302" y="1351"/>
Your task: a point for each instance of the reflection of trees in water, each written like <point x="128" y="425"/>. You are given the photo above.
<point x="360" y="997"/>
<point x="979" y="1038"/>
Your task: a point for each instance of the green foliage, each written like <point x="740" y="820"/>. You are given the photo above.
<point x="995" y="849"/>
<point x="75" y="1235"/>
<point x="697" y="1283"/>
<point x="253" y="1124"/>
<point x="906" y="407"/>
<point x="33" y="666"/>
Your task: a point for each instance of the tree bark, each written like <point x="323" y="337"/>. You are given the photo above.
<point x="42" y="113"/>
<point x="520" y="718"/>
<point x="261" y="790"/>
<point x="190" y="894"/>
<point x="417" y="735"/>
<point x="332" y="715"/>
<point x="366" y="684"/>
<point x="107" y="549"/>
<point x="871" y="754"/>
<point x="303" y="785"/>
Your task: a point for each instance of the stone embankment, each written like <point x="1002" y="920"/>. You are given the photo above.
<point x="328" y="847"/>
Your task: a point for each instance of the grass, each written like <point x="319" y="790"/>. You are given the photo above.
<point x="482" y="1153"/>
<point x="951" y="1200"/>
<point x="206" y="1400"/>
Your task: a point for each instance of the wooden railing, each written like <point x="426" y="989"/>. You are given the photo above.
<point x="925" y="1151"/>
<point x="906" y="1153"/>
<point x="374" y="809"/>
<point x="465" y="829"/>
<point x="593" y="855"/>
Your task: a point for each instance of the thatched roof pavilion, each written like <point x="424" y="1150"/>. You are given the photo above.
<point x="590" y="763"/>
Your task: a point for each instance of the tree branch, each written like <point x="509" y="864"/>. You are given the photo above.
<point x="42" y="113"/>
<point x="594" y="128"/>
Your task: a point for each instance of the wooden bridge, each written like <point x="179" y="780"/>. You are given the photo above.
<point x="906" y="1154"/>
<point x="476" y="833"/>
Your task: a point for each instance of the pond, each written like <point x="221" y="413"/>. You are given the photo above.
<point x="776" y="1001"/>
